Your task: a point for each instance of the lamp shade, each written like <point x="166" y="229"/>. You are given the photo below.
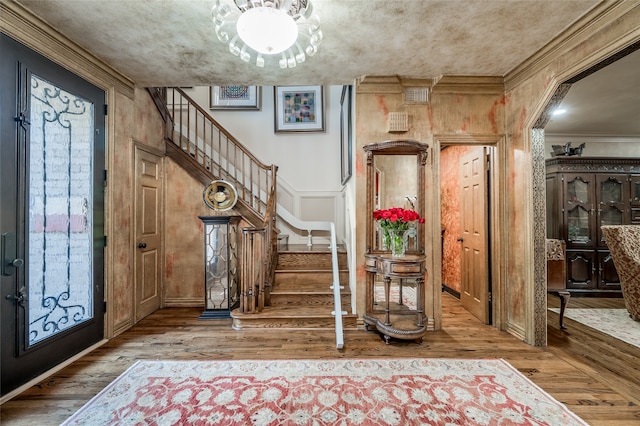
<point x="267" y="30"/>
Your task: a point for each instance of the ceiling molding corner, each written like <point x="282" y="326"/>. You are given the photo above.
<point x="379" y="84"/>
<point x="468" y="84"/>
<point x="599" y="17"/>
<point x="19" y="23"/>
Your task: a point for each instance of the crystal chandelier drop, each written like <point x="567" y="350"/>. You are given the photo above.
<point x="259" y="29"/>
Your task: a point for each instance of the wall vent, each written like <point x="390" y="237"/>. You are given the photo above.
<point x="398" y="122"/>
<point x="416" y="95"/>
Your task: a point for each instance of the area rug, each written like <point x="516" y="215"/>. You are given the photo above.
<point x="614" y="322"/>
<point x="324" y="392"/>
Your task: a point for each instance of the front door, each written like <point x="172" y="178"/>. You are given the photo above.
<point x="474" y="294"/>
<point x="148" y="206"/>
<point x="52" y="215"/>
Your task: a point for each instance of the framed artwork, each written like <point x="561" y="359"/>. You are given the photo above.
<point x="345" y="134"/>
<point x="235" y="97"/>
<point x="299" y="108"/>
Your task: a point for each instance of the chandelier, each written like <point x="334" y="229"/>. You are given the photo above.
<point x="255" y="29"/>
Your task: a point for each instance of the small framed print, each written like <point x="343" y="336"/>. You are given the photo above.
<point x="236" y="97"/>
<point x="299" y="108"/>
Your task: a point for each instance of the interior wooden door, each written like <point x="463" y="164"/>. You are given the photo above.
<point x="148" y="214"/>
<point x="474" y="294"/>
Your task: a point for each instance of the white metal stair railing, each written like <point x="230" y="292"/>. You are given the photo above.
<point x="336" y="287"/>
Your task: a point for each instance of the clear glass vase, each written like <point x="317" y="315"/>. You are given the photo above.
<point x="385" y="239"/>
<point x="397" y="240"/>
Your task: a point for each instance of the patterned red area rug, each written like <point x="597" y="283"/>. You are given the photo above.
<point x="324" y="392"/>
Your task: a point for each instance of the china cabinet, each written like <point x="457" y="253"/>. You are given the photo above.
<point x="395" y="295"/>
<point x="584" y="193"/>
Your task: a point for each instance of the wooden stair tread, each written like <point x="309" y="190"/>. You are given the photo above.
<point x="345" y="292"/>
<point x="316" y="248"/>
<point x="290" y="311"/>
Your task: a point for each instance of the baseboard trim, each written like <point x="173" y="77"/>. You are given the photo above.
<point x="454" y="293"/>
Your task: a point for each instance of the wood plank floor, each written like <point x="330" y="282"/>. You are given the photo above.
<point x="599" y="395"/>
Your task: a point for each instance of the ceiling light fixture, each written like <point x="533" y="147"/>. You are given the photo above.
<point x="261" y="29"/>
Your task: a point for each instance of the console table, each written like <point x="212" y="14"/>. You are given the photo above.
<point x="396" y="320"/>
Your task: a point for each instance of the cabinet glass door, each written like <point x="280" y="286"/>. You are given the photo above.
<point x="612" y="190"/>
<point x="578" y="208"/>
<point x="579" y="226"/>
<point x="635" y="199"/>
<point x="579" y="191"/>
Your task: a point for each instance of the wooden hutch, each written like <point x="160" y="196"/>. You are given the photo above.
<point x="584" y="193"/>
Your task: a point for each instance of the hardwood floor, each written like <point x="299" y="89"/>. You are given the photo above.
<point x="599" y="395"/>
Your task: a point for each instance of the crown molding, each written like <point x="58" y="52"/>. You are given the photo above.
<point x="468" y="84"/>
<point x="379" y="84"/>
<point x="22" y="25"/>
<point x="606" y="14"/>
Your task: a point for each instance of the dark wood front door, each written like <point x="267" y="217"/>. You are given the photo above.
<point x="51" y="216"/>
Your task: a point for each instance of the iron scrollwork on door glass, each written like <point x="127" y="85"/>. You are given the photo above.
<point x="60" y="232"/>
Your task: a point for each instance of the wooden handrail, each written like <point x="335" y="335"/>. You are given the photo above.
<point x="198" y="139"/>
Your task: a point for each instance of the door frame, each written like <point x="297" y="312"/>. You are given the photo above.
<point x="497" y="227"/>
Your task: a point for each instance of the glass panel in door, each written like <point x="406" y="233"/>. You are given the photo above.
<point x="60" y="227"/>
<point x="610" y="190"/>
<point x="578" y="191"/>
<point x="578" y="225"/>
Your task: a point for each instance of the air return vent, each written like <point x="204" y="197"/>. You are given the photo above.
<point x="398" y="122"/>
<point x="416" y="95"/>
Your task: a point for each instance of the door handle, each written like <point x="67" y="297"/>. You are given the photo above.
<point x="142" y="245"/>
<point x="460" y="239"/>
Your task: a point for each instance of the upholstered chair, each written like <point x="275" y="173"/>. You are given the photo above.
<point x="624" y="244"/>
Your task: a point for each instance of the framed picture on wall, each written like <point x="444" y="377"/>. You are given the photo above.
<point x="299" y="108"/>
<point x="345" y="134"/>
<point x="236" y="97"/>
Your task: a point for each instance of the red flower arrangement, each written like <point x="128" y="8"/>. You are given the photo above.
<point x="396" y="218"/>
<point x="395" y="222"/>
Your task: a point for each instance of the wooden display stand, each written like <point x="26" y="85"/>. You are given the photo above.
<point x="395" y="319"/>
<point x="401" y="321"/>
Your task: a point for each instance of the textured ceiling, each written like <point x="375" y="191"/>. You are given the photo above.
<point x="172" y="43"/>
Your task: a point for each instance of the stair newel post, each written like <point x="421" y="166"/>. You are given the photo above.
<point x="252" y="269"/>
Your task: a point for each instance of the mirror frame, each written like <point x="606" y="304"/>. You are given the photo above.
<point x="396" y="147"/>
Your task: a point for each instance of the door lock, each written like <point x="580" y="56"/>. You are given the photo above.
<point x="19" y="298"/>
<point x="10" y="262"/>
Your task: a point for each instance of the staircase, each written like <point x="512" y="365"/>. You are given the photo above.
<point x="289" y="288"/>
<point x="301" y="295"/>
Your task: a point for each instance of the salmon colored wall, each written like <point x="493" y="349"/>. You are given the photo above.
<point x="450" y="214"/>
